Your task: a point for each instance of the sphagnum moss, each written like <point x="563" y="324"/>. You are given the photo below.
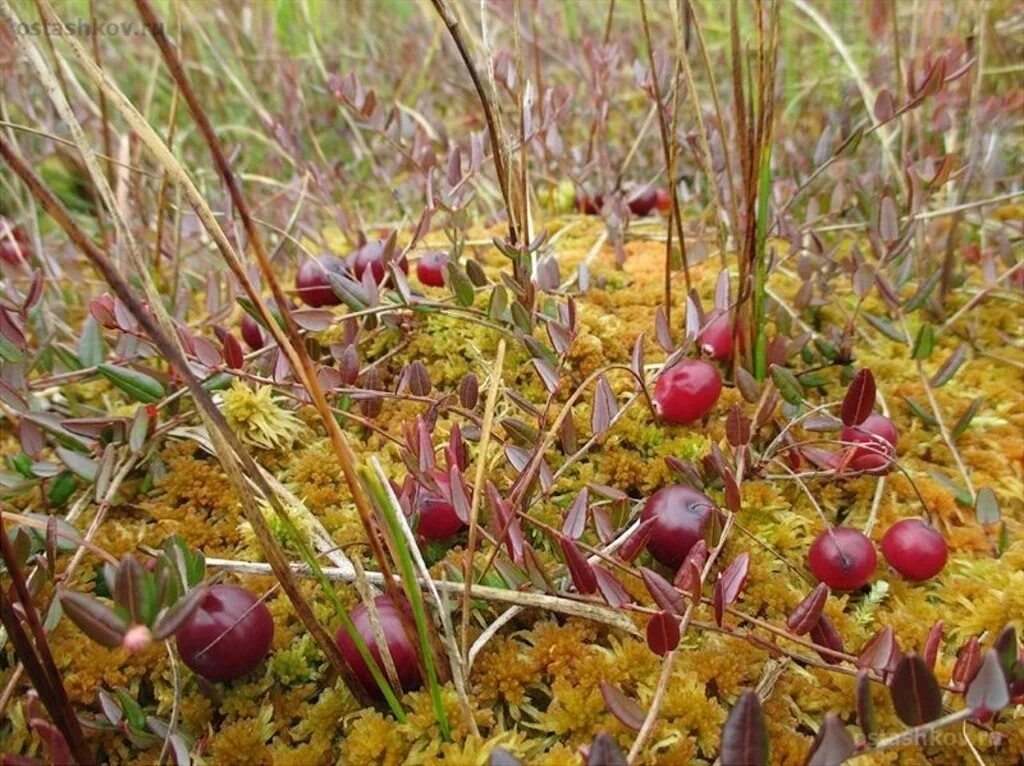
<point x="536" y="687"/>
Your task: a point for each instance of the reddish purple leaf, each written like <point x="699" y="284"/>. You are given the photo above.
<point x="604" y="407"/>
<point x="859" y="399"/>
<point x="662" y="591"/>
<point x="662" y="331"/>
<point x="865" y="705"/>
<point x="603" y="524"/>
<point x="508" y="529"/>
<point x="734" y="577"/>
<point x="94" y="619"/>
<point x="729" y="584"/>
<point x="833" y="745"/>
<point x="576" y="518"/>
<point x="733" y="498"/>
<point x="824" y="634"/>
<point x="878" y="651"/>
<point x="582" y="573"/>
<point x="460" y="501"/>
<point x="885" y="105"/>
<point x="604" y="751"/>
<point x="915" y="692"/>
<point x="233" y="355"/>
<point x="744" y="736"/>
<point x="611" y="589"/>
<point x="932" y="643"/>
<point x="622" y="706"/>
<point x="635" y="543"/>
<point x="968" y="660"/>
<point x="806" y="614"/>
<point x="737" y="427"/>
<point x="662" y="633"/>
<point x="206" y="352"/>
<point x="988" y="692"/>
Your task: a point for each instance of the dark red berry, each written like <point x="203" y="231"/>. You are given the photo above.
<point x="430" y="269"/>
<point x="687" y="391"/>
<point x="643" y="202"/>
<point x="915" y="549"/>
<point x="14" y="246"/>
<point x="663" y="201"/>
<point x="371" y="256"/>
<point x="843" y="558"/>
<point x="437" y="517"/>
<point x="311" y="282"/>
<point x="715" y="336"/>
<point x="876" y="438"/>
<point x="399" y="647"/>
<point x="252" y="333"/>
<point x="228" y="635"/>
<point x="682" y="517"/>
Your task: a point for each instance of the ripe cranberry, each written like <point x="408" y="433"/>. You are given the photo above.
<point x="663" y="201"/>
<point x="587" y="204"/>
<point x="14" y="246"/>
<point x="915" y="549"/>
<point x="252" y="333"/>
<point x="715" y="336"/>
<point x="877" y="437"/>
<point x="228" y="635"/>
<point x="402" y="652"/>
<point x="687" y="391"/>
<point x="430" y="269"/>
<point x="643" y="202"/>
<point x="437" y="517"/>
<point x="371" y="255"/>
<point x="312" y="284"/>
<point x="843" y="558"/>
<point x="682" y="516"/>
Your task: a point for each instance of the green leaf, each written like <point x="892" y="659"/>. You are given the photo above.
<point x="788" y="385"/>
<point x="90" y="345"/>
<point x="923" y="292"/>
<point x="986" y="507"/>
<point x="137" y="385"/>
<point x="218" y="382"/>
<point x="93" y="618"/>
<point x="965" y="420"/>
<point x="960" y="494"/>
<point x="921" y="412"/>
<point x="8" y="351"/>
<point x="61" y="488"/>
<point x="925" y="342"/>
<point x="885" y="327"/>
<point x="461" y="287"/>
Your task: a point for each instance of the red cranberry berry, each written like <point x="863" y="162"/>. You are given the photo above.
<point x="399" y="647"/>
<point x="430" y="269"/>
<point x="843" y="558"/>
<point x="252" y="333"/>
<point x="14" y="246"/>
<point x="876" y="439"/>
<point x="682" y="517"/>
<point x="312" y="284"/>
<point x="228" y="635"/>
<point x="437" y="517"/>
<point x="663" y="201"/>
<point x="687" y="391"/>
<point x="643" y="202"/>
<point x="915" y="549"/>
<point x="715" y="336"/>
<point x="371" y="256"/>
